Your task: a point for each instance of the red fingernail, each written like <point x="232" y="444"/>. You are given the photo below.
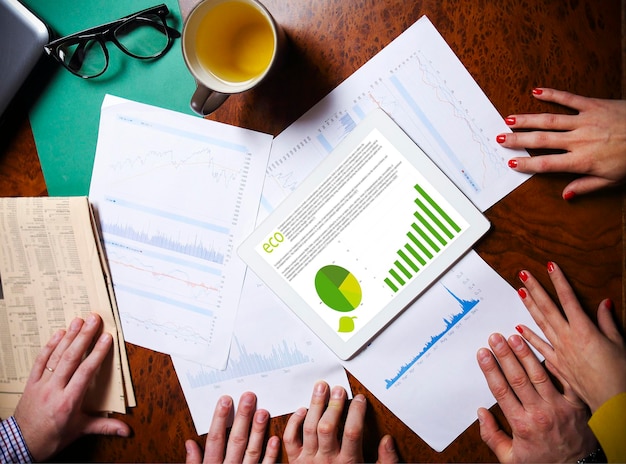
<point x="550" y="266"/>
<point x="569" y="195"/>
<point x="510" y="121"/>
<point x="609" y="304"/>
<point x="537" y="91"/>
<point x="520" y="329"/>
<point x="523" y="276"/>
<point x="513" y="164"/>
<point x="501" y="138"/>
<point x="522" y="293"/>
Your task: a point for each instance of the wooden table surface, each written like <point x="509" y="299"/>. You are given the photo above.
<point x="509" y="47"/>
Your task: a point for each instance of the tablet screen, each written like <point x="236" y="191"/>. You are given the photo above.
<point x="359" y="233"/>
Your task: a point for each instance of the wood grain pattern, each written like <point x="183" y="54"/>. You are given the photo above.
<point x="509" y="48"/>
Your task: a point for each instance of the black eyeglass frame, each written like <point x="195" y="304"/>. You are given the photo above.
<point x="106" y="33"/>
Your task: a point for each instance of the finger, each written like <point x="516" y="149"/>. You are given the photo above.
<point x="254" y="451"/>
<point x="41" y="361"/>
<point x="215" y="445"/>
<point x="292" y="436"/>
<point x="194" y="454"/>
<point x="271" y="451"/>
<point x="387" y="453"/>
<point x="352" y="442"/>
<point x="238" y="439"/>
<point x="546" y="140"/>
<point x="537" y="374"/>
<point x="319" y="400"/>
<point x="543" y="121"/>
<point x="514" y="372"/>
<point x="538" y="343"/>
<point x="498" y="385"/>
<point x="73" y="355"/>
<point x="606" y="322"/>
<point x="586" y="184"/>
<point x="70" y="334"/>
<point x="569" y="301"/>
<point x="568" y="99"/>
<point x="106" y="426"/>
<point x="568" y="392"/>
<point x="540" y="306"/>
<point x="495" y="438"/>
<point x="84" y="374"/>
<point x="328" y="426"/>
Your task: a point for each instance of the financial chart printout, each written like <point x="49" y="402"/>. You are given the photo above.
<point x="423" y="366"/>
<point x="421" y="84"/>
<point x="368" y="229"/>
<point x="174" y="195"/>
<point x="272" y="351"/>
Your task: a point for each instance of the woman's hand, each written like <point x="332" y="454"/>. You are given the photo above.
<point x="590" y="358"/>
<point x="594" y="141"/>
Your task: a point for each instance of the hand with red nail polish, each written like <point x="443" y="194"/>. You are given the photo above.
<point x="593" y="140"/>
<point x="313" y="436"/>
<point x="546" y="425"/>
<point x="590" y="359"/>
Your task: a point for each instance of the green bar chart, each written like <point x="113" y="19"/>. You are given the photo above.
<point x="430" y="232"/>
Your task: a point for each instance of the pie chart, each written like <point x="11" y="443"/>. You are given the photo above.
<point x="338" y="288"/>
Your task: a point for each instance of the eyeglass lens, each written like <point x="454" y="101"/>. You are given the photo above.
<point x="142" y="37"/>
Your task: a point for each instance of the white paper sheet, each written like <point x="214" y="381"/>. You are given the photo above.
<point x="273" y="354"/>
<point x="423" y="86"/>
<point x="175" y="195"/>
<point x="423" y="367"/>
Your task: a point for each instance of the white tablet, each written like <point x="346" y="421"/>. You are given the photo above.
<point x="363" y="236"/>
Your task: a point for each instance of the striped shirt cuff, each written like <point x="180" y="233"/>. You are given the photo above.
<point x="12" y="445"/>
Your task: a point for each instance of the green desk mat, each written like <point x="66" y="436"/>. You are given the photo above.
<point x="65" y="117"/>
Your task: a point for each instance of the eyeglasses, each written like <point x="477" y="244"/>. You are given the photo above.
<point x="144" y="35"/>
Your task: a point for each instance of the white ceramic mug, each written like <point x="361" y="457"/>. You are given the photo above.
<point x="229" y="46"/>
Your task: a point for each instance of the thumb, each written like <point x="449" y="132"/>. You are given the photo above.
<point x="606" y="323"/>
<point x="387" y="453"/>
<point x="498" y="441"/>
<point x="106" y="426"/>
<point x="586" y="184"/>
<point x="194" y="454"/>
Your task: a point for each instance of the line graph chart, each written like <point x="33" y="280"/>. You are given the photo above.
<point x="449" y="322"/>
<point x="169" y="193"/>
<point x="426" y="90"/>
<point x="283" y="355"/>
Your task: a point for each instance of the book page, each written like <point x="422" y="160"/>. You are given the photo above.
<point x="50" y="273"/>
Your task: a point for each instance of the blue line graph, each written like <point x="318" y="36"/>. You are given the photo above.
<point x="346" y="124"/>
<point x="450" y="322"/>
<point x="282" y="356"/>
<point x="195" y="249"/>
<point x="435" y="133"/>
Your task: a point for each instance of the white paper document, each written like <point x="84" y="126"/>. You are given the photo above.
<point x="273" y="354"/>
<point x="423" y="367"/>
<point x="422" y="85"/>
<point x="174" y="195"/>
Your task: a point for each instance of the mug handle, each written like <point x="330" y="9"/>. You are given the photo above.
<point x="204" y="100"/>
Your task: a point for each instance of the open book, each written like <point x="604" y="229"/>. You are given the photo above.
<point x="52" y="269"/>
